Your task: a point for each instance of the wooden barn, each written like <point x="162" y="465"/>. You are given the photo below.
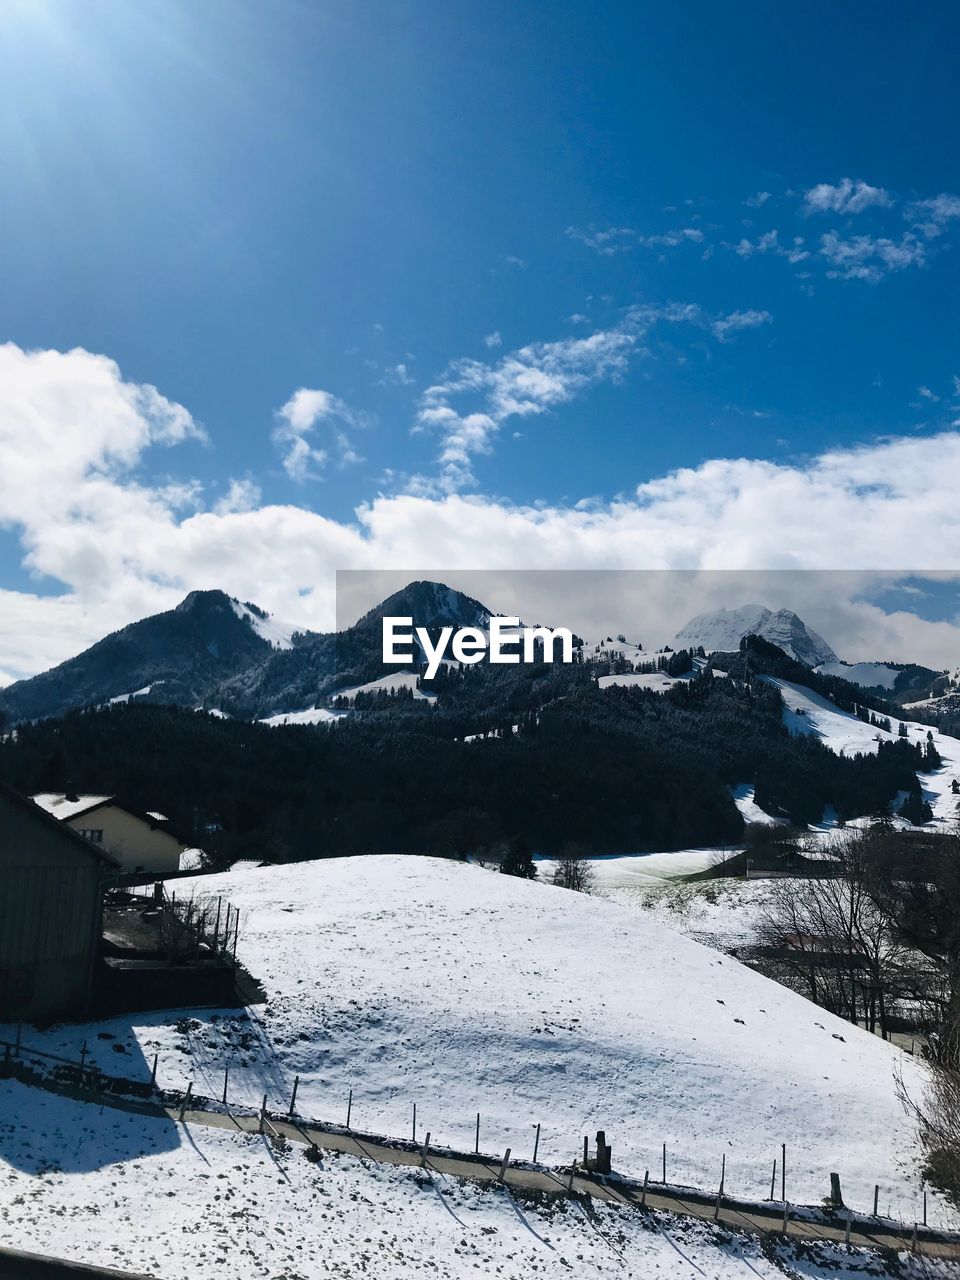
<point x="52" y="885"/>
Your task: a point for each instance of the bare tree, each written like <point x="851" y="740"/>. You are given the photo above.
<point x="573" y="871"/>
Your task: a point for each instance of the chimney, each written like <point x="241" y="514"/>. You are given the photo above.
<point x="71" y="792"/>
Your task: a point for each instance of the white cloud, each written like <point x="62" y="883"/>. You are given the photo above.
<point x="537" y="378"/>
<point x="926" y="394"/>
<point x="306" y="409"/>
<point x="396" y="375"/>
<point x="73" y="431"/>
<point x="756" y="201"/>
<point x="769" y="242"/>
<point x="848" y="196"/>
<point x="870" y="258"/>
<point x="613" y="240"/>
<point x="931" y="217"/>
<point x="724" y="326"/>
<point x="493" y="340"/>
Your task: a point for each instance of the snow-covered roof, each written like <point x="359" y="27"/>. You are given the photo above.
<point x="56" y="803"/>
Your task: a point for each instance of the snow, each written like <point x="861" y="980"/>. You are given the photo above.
<point x="872" y="675"/>
<point x="57" y="803"/>
<point x="657" y="680"/>
<point x="843" y="731"/>
<point x="749" y="809"/>
<point x="391" y="683"/>
<point x="137" y="693"/>
<point x="312" y="715"/>
<point x="724" y="629"/>
<point x="276" y="633"/>
<point x="136" y="1192"/>
<point x="191" y="860"/>
<point x="441" y="983"/>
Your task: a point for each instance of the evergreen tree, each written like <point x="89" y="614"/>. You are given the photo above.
<point x="518" y="860"/>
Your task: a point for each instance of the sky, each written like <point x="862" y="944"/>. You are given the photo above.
<point x="293" y="287"/>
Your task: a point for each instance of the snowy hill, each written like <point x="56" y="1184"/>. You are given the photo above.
<point x="724" y="629"/>
<point x="417" y="980"/>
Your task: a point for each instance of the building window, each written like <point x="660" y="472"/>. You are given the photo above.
<point x="93" y="834"/>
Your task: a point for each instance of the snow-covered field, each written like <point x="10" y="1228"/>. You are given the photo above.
<point x="127" y="1191"/>
<point x="421" y="980"/>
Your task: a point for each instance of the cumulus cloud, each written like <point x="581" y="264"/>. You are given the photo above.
<point x="724" y="326"/>
<point x="848" y="196"/>
<point x="78" y="434"/>
<point x="493" y="340"/>
<point x="769" y="242"/>
<point x="306" y="409"/>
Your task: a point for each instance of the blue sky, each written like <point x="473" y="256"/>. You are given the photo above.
<point x="537" y="254"/>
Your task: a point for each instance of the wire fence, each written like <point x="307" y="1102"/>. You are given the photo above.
<point x="70" y="1076"/>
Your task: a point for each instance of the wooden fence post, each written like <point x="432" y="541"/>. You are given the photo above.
<point x="783" y="1172"/>
<point x="503" y="1165"/>
<point x="426" y="1147"/>
<point x="293" y="1097"/>
<point x="186" y="1099"/>
<point x="723" y="1172"/>
<point x="664" y="1164"/>
<point x="586" y="1152"/>
<point x="153" y="1071"/>
<point x="773" y="1180"/>
<point x="646" y="1179"/>
<point x="236" y="933"/>
<point x="349" y="1107"/>
<point x="573" y="1170"/>
<point x="263" y="1113"/>
<point x="536" y="1144"/>
<point x="414" y="1122"/>
<point x="476" y="1145"/>
<point x="216" y="926"/>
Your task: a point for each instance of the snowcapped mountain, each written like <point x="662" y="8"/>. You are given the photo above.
<point x="724" y="629"/>
<point x="179" y="657"/>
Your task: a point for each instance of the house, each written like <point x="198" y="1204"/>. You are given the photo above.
<point x="138" y="840"/>
<point x="51" y="893"/>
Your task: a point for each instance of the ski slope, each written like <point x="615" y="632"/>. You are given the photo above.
<point x="418" y="980"/>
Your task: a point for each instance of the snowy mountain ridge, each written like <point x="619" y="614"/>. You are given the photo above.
<point x="725" y="628"/>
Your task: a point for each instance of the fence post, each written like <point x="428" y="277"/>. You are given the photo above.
<point x="226" y="1077"/>
<point x="186" y="1099"/>
<point x="786" y="1217"/>
<point x="773" y="1179"/>
<point x="646" y="1179"/>
<point x="536" y="1144"/>
<point x="216" y="927"/>
<point x="846" y="1234"/>
<point x="503" y="1164"/>
<point x="573" y="1170"/>
<point x="153" y="1071"/>
<point x="924" y="1206"/>
<point x="414" y="1122"/>
<point x="263" y="1113"/>
<point x="293" y="1098"/>
<point x="426" y="1147"/>
<point x="236" y="933"/>
<point x="876" y="1197"/>
<point x="476" y="1145"/>
<point x="913" y="1242"/>
<point x="723" y="1172"/>
<point x="349" y="1107"/>
<point x="586" y="1152"/>
<point x="664" y="1164"/>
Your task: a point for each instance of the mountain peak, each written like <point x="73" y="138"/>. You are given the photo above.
<point x="431" y="604"/>
<point x="725" y="628"/>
